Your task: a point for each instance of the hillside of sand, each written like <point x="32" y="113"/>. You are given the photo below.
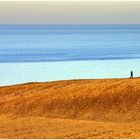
<point x="107" y="108"/>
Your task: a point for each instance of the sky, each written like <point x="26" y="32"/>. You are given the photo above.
<point x="69" y="12"/>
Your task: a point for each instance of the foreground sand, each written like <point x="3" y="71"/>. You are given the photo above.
<point x="71" y="109"/>
<point x="42" y="127"/>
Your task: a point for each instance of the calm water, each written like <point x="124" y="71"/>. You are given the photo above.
<point x="48" y="53"/>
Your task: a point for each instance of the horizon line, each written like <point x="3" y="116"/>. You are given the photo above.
<point x="26" y="24"/>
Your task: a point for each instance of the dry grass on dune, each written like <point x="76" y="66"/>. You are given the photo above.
<point x="71" y="109"/>
<point x="117" y="99"/>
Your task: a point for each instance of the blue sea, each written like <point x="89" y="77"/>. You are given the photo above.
<point x="33" y="53"/>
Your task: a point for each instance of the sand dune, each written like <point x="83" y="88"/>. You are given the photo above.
<point x="112" y="102"/>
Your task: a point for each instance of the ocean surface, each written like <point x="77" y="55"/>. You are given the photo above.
<point x="30" y="53"/>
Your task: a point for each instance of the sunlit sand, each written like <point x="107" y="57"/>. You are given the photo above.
<point x="108" y="108"/>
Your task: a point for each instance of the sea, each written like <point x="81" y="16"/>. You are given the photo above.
<point x="41" y="53"/>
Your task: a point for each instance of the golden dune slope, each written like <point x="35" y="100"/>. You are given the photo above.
<point x="114" y="99"/>
<point x="71" y="109"/>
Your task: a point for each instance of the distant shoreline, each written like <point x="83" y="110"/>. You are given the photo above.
<point x="71" y="60"/>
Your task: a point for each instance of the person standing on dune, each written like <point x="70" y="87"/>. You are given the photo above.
<point x="131" y="74"/>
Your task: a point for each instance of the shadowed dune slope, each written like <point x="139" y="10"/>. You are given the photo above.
<point x="107" y="99"/>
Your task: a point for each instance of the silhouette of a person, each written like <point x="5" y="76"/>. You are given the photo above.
<point x="131" y="74"/>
